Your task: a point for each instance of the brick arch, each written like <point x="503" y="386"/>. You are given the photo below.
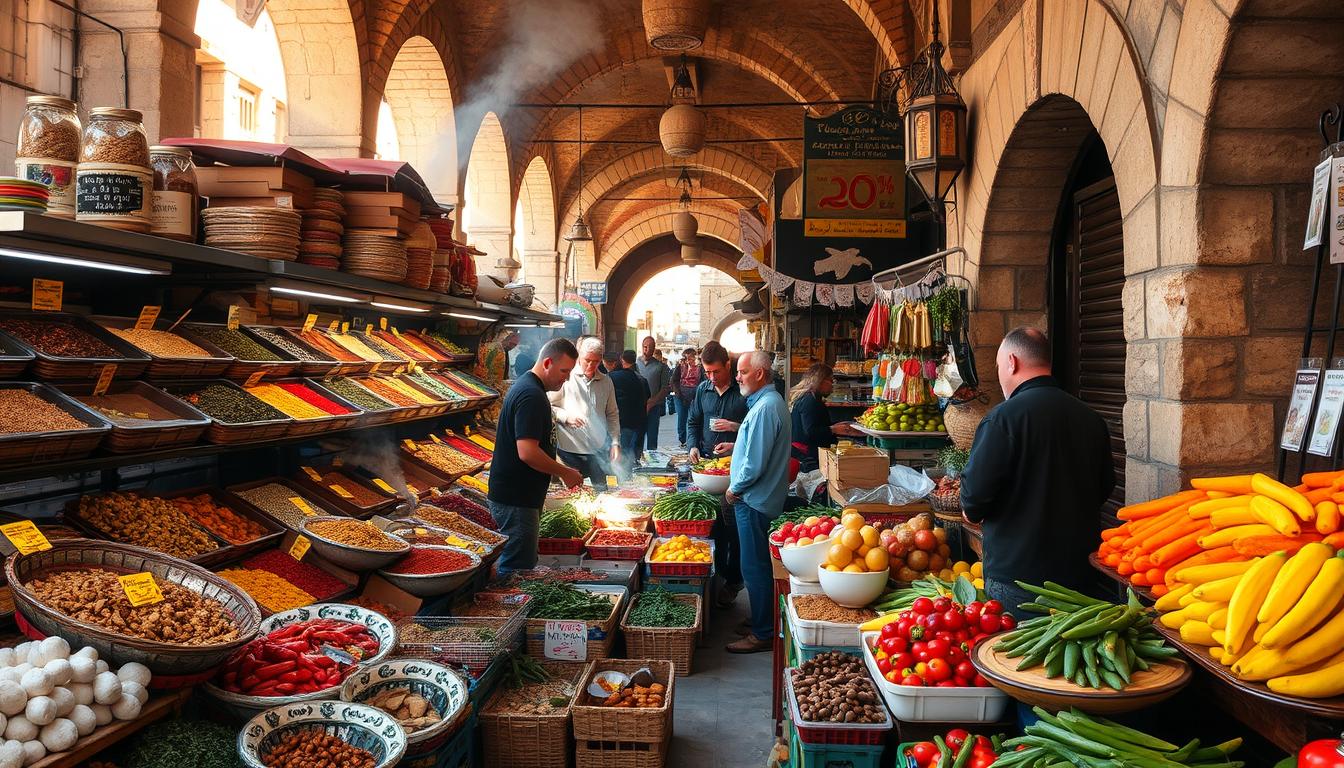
<point x="422" y="109"/>
<point x="322" y="46"/>
<point x="643" y="263"/>
<point x="729" y="319"/>
<point x="487" y="207"/>
<point x="716" y="223"/>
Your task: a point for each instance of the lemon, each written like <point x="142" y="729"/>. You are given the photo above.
<point x="851" y="538"/>
<point x="855" y="567"/>
<point x="869" y="534"/>
<point x="852" y="521"/>
<point x="979" y="583"/>
<point x="876" y="559"/>
<point x="977" y="570"/>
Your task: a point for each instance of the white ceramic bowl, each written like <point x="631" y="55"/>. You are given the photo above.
<point x="444" y="689"/>
<point x="852" y="590"/>
<point x="802" y="562"/>
<point x="368" y="728"/>
<point x="710" y="483"/>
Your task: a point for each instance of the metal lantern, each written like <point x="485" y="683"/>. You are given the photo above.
<point x="675" y="25"/>
<point x="579" y="231"/>
<point x="690" y="253"/>
<point x="682" y="130"/>
<point x="685" y="227"/>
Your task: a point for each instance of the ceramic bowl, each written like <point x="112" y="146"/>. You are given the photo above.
<point x="852" y="590"/>
<point x="802" y="562"/>
<point x="434" y="584"/>
<point x="444" y="689"/>
<point x="367" y="728"/>
<point x="710" y="483"/>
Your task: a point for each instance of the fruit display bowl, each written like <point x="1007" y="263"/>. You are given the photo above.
<point x="802" y="562"/>
<point x="851" y="590"/>
<point x="716" y="484"/>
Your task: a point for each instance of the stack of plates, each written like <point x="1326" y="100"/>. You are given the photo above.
<point x="267" y="233"/>
<point x="370" y="254"/>
<point x="441" y="276"/>
<point x="420" y="256"/>
<point x="22" y="195"/>
<point x="320" y="236"/>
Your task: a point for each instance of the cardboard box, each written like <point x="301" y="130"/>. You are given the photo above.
<point x="289" y="200"/>
<point x="859" y="467"/>
<point x="262" y="178"/>
<point x="396" y="201"/>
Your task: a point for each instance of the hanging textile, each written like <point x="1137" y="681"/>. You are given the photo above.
<point x="844" y="295"/>
<point x="802" y="293"/>
<point x="865" y="291"/>
<point x="778" y="281"/>
<point x="826" y="294"/>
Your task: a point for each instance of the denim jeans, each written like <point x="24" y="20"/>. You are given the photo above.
<point x="752" y="530"/>
<point x="683" y="413"/>
<point x="630" y="447"/>
<point x="1009" y="594"/>
<point x="727" y="550"/>
<point x="521" y="525"/>
<point x="651" y="427"/>
<point x="589" y="465"/>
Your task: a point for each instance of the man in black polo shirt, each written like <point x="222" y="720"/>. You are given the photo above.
<point x="1040" y="470"/>
<point x="632" y="400"/>
<point x="717" y="410"/>
<point x="524" y="459"/>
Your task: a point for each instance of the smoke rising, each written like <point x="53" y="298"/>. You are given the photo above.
<point x="374" y="450"/>
<point x="541" y="39"/>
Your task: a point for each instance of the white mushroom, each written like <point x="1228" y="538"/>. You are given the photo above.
<point x="60" y="670"/>
<point x="83" y="693"/>
<point x="87" y="652"/>
<point x="132" y="688"/>
<point x="40" y="710"/>
<point x="33" y="751"/>
<point x="11" y="754"/>
<point x="84" y="719"/>
<point x="12" y="697"/>
<point x="37" y="682"/>
<point x="21" y="651"/>
<point x="126" y="708"/>
<point x="106" y="688"/>
<point x="102" y="713"/>
<point x="83" y="669"/>
<point x="134" y="672"/>
<point x="8" y="657"/>
<point x="19" y="729"/>
<point x="59" y="735"/>
<point x="65" y="701"/>
<point x="54" y="647"/>
<point x="101" y="666"/>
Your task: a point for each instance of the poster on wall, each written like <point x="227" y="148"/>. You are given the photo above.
<point x="1335" y="226"/>
<point x="853" y="175"/>
<point x="1320" y="189"/>
<point x="1299" y="409"/>
<point x="1326" y="425"/>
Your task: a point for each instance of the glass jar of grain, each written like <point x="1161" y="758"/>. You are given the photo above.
<point x="173" y="214"/>
<point x="48" y="149"/>
<point x="114" y="183"/>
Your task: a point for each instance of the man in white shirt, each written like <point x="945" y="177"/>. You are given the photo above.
<point x="586" y="417"/>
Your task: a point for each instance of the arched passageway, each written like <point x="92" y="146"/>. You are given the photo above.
<point x="421" y="103"/>
<point x="487" y="215"/>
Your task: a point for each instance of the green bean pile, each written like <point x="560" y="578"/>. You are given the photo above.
<point x="692" y="505"/>
<point x="1076" y="740"/>
<point x="559" y="601"/>
<point x="523" y="669"/>
<point x="659" y="608"/>
<point x="563" y="523"/>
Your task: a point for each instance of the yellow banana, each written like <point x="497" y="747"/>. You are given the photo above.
<point x="1218" y="620"/>
<point x="1173" y="619"/>
<point x="1200" y="574"/>
<point x="1319" y="599"/>
<point x="1248" y="596"/>
<point x="1225" y="536"/>
<point x="1217" y="591"/>
<point x="1292" y="580"/>
<point x="1275" y="515"/>
<point x="1267" y="486"/>
<point x="1325" y="640"/>
<point x="1207" y="508"/>
<point x="1172" y="600"/>
<point x="1322" y="682"/>
<point x="1188" y="599"/>
<point x="1266" y="664"/>
<point x="1230" y="516"/>
<point x="1219" y="637"/>
<point x="1197" y="632"/>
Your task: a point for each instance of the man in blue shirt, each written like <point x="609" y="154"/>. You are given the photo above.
<point x="758" y="484"/>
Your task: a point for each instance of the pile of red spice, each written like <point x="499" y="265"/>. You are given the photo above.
<point x="471" y="449"/>
<point x="456" y="502"/>
<point x="305" y="576"/>
<point x="618" y="537"/>
<point x="312" y="398"/>
<point x="423" y="561"/>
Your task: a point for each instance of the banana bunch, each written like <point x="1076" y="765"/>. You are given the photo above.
<point x="1274" y="619"/>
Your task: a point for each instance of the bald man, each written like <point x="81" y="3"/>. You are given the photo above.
<point x="758" y="483"/>
<point x="1040" y="470"/>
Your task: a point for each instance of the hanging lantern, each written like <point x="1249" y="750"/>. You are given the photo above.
<point x="676" y="25"/>
<point x="935" y="125"/>
<point x="579" y="231"/>
<point x="682" y="130"/>
<point x="690" y="253"/>
<point x="684" y="227"/>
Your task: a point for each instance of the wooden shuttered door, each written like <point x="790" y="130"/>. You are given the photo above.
<point x="1095" y="281"/>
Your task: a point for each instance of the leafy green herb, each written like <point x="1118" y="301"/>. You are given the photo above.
<point x="564" y="602"/>
<point x="659" y="608"/>
<point x="564" y="522"/>
<point x="177" y="743"/>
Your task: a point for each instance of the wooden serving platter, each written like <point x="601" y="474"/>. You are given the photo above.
<point x="1144" y="593"/>
<point x="1032" y="686"/>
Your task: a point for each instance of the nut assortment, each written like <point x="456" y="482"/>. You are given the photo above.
<point x="21" y="411"/>
<point x="316" y="749"/>
<point x="56" y="338"/>
<point x="94" y="596"/>
<point x="456" y="522"/>
<point x="160" y="343"/>
<point x="413" y="711"/>
<point x="445" y="459"/>
<point x="220" y="520"/>
<point x="150" y="522"/>
<point x="835" y="688"/>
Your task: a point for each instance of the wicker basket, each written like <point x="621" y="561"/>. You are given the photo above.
<point x="674" y="644"/>
<point x="962" y="419"/>
<point x="593" y="722"/>
<point x="620" y="754"/>
<point x="516" y="740"/>
<point x="114" y="647"/>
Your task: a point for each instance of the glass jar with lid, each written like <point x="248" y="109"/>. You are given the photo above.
<point x="48" y="149"/>
<point x="173" y="207"/>
<point x="114" y="182"/>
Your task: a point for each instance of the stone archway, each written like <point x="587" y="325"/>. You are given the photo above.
<point x="323" y="76"/>
<point x="731" y="318"/>
<point x="487" y="210"/>
<point x="534" y="228"/>
<point x="421" y="101"/>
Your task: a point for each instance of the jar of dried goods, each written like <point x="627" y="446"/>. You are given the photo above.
<point x="174" y="202"/>
<point x="114" y="182"/>
<point x="48" y="149"/>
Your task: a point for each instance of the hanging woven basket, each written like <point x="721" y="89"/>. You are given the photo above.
<point x="682" y="130"/>
<point x="962" y="418"/>
<point x="676" y="25"/>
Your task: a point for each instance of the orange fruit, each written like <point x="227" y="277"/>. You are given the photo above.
<point x="876" y="559"/>
<point x="851" y="539"/>
<point x="839" y="556"/>
<point x="869" y="534"/>
<point x="855" y="567"/>
<point x="852" y="521"/>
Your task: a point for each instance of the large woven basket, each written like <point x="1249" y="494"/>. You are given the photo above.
<point x="594" y="722"/>
<point x="117" y="648"/>
<point x="674" y="644"/>
<point x="620" y="754"/>
<point x="962" y="419"/>
<point x="516" y="740"/>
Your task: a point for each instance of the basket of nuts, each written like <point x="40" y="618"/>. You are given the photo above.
<point x="833" y="701"/>
<point x="73" y="590"/>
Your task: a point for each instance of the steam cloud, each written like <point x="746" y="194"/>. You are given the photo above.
<point x="542" y="39"/>
<point x="375" y="451"/>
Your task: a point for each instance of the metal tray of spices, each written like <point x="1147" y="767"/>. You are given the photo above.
<point x="52" y="445"/>
<point x="351" y="484"/>
<point x="416" y="458"/>
<point x="226" y="550"/>
<point x="315" y="362"/>
<point x="131" y="362"/>
<point x="331" y="422"/>
<point x="422" y="359"/>
<point x="14" y="357"/>
<point x="285" y="519"/>
<point x="370" y="416"/>
<point x="168" y="367"/>
<point x="406" y="412"/>
<point x="240" y="369"/>
<point x="229" y="433"/>
<point x="180" y="424"/>
<point x="313" y="340"/>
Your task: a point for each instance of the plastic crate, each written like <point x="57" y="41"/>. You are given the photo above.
<point x="799" y="587"/>
<point x="696" y="570"/>
<point x="810" y="652"/>
<point x="560" y="546"/>
<point x="804" y="755"/>
<point x="849" y="734"/>
<point x="936" y="705"/>
<point x="821" y="633"/>
<point x="698" y="528"/>
<point x="635" y="552"/>
<point x="683" y="584"/>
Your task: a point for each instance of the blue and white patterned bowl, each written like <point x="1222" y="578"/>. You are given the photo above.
<point x="367" y="728"/>
<point x="244" y="706"/>
<point x="444" y="689"/>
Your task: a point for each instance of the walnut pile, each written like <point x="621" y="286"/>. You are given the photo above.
<point x="95" y="596"/>
<point x="411" y="710"/>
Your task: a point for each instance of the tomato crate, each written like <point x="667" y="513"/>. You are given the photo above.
<point x="804" y="755"/>
<point x="632" y="552"/>
<point x="697" y="528"/>
<point x="695" y="570"/>
<point x="829" y="734"/>
<point x="560" y="546"/>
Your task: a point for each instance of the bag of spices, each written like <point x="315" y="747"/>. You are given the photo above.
<point x="114" y="182"/>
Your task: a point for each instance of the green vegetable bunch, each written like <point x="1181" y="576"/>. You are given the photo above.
<point x="659" y="608"/>
<point x="691" y="505"/>
<point x="564" y="523"/>
<point x="954" y="459"/>
<point x="523" y="669"/>
<point x="560" y="601"/>
<point x="1077" y="739"/>
<point x="178" y="743"/>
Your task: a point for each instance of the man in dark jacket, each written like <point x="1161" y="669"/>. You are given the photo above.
<point x="1040" y="470"/>
<point x="632" y="398"/>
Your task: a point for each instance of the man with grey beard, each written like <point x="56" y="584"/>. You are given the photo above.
<point x="586" y="417"/>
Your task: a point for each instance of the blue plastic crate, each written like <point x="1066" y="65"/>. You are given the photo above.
<point x="481" y="688"/>
<point x="832" y="755"/>
<point x="687" y="585"/>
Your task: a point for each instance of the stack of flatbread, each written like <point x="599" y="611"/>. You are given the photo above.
<point x="267" y="233"/>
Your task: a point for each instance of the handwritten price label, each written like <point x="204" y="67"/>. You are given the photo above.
<point x="104" y="379"/>
<point x="566" y="640"/>
<point x="47" y="295"/>
<point x="141" y="589"/>
<point x="25" y="537"/>
<point x="300" y="547"/>
<point x="234" y="311"/>
<point x="309" y="322"/>
<point x="148" y="316"/>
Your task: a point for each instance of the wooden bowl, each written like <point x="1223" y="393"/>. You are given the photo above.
<point x="1032" y="687"/>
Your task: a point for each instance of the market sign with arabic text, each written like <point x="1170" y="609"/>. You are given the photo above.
<point x="853" y="175"/>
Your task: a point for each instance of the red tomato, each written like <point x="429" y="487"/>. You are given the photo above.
<point x="955" y="655"/>
<point x="922" y="605"/>
<point x="983" y="744"/>
<point x="953" y="620"/>
<point x="883" y="666"/>
<point x="890" y="629"/>
<point x="942" y="604"/>
<point x="791" y="540"/>
<point x="990" y="623"/>
<point x="982" y="761"/>
<point x="993" y="606"/>
<point x="965" y="670"/>
<point x="976" y="604"/>
<point x="972" y="613"/>
<point x="903" y="660"/>
<point x="786" y="529"/>
<point x="939" y="670"/>
<point x="937" y="649"/>
<point x="980" y="681"/>
<point x="889" y="645"/>
<point x="956" y="737"/>
<point x="924" y="752"/>
<point x="919" y="646"/>
<point x="934" y="622"/>
<point x="903" y="627"/>
<point x="914" y="680"/>
<point x="893" y="676"/>
<point x="1007" y="622"/>
<point x="946" y="684"/>
<point x="901" y="644"/>
<point x="826" y="526"/>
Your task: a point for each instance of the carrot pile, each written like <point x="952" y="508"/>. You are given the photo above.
<point x="1222" y="519"/>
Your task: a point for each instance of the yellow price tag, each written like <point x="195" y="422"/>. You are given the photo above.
<point x="399" y="370"/>
<point x="25" y="537"/>
<point x="382" y="485"/>
<point x="382" y="323"/>
<point x="414" y="491"/>
<point x="310" y="321"/>
<point x="435" y="438"/>
<point x="47" y="295"/>
<point x="411" y="366"/>
<point x="234" y="311"/>
<point x="345" y="326"/>
<point x="368" y="329"/>
<point x="148" y="316"/>
<point x="300" y="547"/>
<point x="302" y="505"/>
<point x="410" y="445"/>
<point x="340" y="491"/>
<point x="613" y="481"/>
<point x="254" y="379"/>
<point x="141" y="588"/>
<point x="104" y="379"/>
<point x="395" y="332"/>
<point x="313" y="473"/>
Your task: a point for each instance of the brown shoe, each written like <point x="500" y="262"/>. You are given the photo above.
<point x="749" y="644"/>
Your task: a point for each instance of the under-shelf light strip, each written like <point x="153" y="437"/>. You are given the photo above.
<point x="111" y="266"/>
<point x="316" y="294"/>
<point x="466" y="316"/>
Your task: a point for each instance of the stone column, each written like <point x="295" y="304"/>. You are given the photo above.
<point x="542" y="269"/>
<point x="161" y="61"/>
<point x="497" y="242"/>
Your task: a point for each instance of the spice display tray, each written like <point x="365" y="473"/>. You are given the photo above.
<point x="333" y="500"/>
<point x="402" y="412"/>
<point x="301" y="427"/>
<point x="177" y="367"/>
<point x="674" y="644"/>
<point x="14" y="357"/>
<point x="415" y="458"/>
<point x="152" y="435"/>
<point x="234" y="492"/>
<point x="601" y="633"/>
<point x="131" y="362"/>
<point x="693" y="570"/>
<point x="231" y="434"/>
<point x="592" y="721"/>
<point x="318" y="367"/>
<point x="935" y="705"/>
<point x="631" y="552"/>
<point x="240" y="370"/>
<point x="39" y="447"/>
<point x="226" y="551"/>
<point x="852" y="734"/>
<point x="822" y="633"/>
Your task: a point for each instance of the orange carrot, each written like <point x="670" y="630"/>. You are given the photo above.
<point x="1338" y="498"/>
<point x="1143" y="528"/>
<point x="1208" y="556"/>
<point x="1322" y="479"/>
<point x="1157" y="506"/>
<point x="1124" y="568"/>
<point x="1138" y="579"/>
<point x="1160" y="589"/>
<point x="1172" y="533"/>
<point x="1111" y="533"/>
<point x="1180" y="548"/>
<point x="1301" y="487"/>
<point x="1142" y="563"/>
<point x="1317" y="495"/>
<point x="1154" y="575"/>
<point x="1113" y="559"/>
<point x="1231" y="484"/>
<point x="1259" y="546"/>
<point x="1336" y="540"/>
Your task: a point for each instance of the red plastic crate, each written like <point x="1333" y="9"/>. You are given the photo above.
<point x="701" y="528"/>
<point x="694" y="570"/>
<point x="560" y="546"/>
<point x="835" y="733"/>
<point x="619" y="552"/>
